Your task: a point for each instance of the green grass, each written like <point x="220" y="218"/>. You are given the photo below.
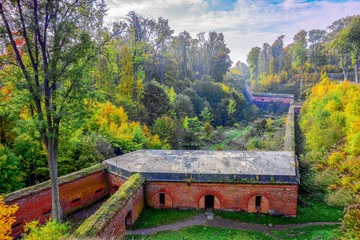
<point x="205" y="233"/>
<point x="316" y="212"/>
<point x="229" y="135"/>
<point x="320" y="232"/>
<point x="156" y="217"/>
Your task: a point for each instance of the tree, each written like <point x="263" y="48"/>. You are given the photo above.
<point x="338" y="45"/>
<point x="317" y="39"/>
<point x="351" y="35"/>
<point x="155" y="100"/>
<point x="276" y="51"/>
<point x="11" y="179"/>
<point x="138" y="29"/>
<point x="264" y="59"/>
<point x="55" y="65"/>
<point x="162" y="36"/>
<point x="252" y="60"/>
<point x="183" y="106"/>
<point x="300" y="54"/>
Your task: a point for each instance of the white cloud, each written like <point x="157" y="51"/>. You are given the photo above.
<point x="248" y="24"/>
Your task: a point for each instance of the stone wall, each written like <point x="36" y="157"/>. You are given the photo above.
<point x="276" y="199"/>
<point x="77" y="190"/>
<point x="118" y="212"/>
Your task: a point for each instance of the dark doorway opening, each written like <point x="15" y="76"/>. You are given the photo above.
<point x="128" y="220"/>
<point x="162" y="199"/>
<point x="258" y="202"/>
<point x="209" y="202"/>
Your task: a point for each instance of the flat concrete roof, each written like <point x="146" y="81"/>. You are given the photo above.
<point x="208" y="166"/>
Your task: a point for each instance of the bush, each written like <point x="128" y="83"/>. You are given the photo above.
<point x="6" y="219"/>
<point x="52" y="230"/>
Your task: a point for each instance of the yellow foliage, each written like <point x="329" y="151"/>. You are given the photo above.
<point x="223" y="87"/>
<point x="113" y="122"/>
<point x="331" y="121"/>
<point x="125" y="87"/>
<point x="7" y="218"/>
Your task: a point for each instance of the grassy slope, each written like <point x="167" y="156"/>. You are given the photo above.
<point x="156" y="217"/>
<point x="316" y="212"/>
<point x="229" y="135"/>
<point x="323" y="232"/>
<point x="205" y="233"/>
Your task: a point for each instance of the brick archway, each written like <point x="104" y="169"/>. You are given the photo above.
<point x="155" y="199"/>
<point x="258" y="202"/>
<point x="218" y="200"/>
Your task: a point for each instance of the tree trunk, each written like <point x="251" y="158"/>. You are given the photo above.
<point x="152" y="68"/>
<point x="301" y="79"/>
<point x="343" y="66"/>
<point x="356" y="72"/>
<point x="162" y="70"/>
<point x="51" y="150"/>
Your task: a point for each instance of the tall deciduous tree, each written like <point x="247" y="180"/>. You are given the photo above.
<point x="316" y="39"/>
<point x="54" y="63"/>
<point x="252" y="60"/>
<point x="300" y="53"/>
<point x="338" y="45"/>
<point x="138" y="29"/>
<point x="351" y="35"/>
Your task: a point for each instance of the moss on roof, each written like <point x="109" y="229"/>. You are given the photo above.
<point x="44" y="185"/>
<point x="102" y="217"/>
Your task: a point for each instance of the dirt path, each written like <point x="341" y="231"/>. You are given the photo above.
<point x="220" y="222"/>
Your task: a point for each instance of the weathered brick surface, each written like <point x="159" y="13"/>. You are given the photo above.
<point x="73" y="195"/>
<point x="269" y="99"/>
<point x="117" y="227"/>
<point x="114" y="182"/>
<point x="276" y="199"/>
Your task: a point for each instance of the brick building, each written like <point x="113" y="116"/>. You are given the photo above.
<point x="264" y="182"/>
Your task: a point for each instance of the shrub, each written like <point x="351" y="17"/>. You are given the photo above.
<point x="6" y="219"/>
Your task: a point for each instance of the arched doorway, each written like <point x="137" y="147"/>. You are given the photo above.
<point x="209" y="202"/>
<point x="128" y="219"/>
<point x="258" y="204"/>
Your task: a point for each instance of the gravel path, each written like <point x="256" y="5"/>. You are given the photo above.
<point x="220" y="222"/>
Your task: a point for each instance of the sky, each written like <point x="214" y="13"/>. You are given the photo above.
<point x="244" y="23"/>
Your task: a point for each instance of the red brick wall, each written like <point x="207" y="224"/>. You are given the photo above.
<point x="276" y="199"/>
<point x="116" y="229"/>
<point x="271" y="99"/>
<point x="73" y="195"/>
<point x="114" y="182"/>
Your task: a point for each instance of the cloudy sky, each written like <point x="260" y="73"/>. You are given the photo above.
<point x="245" y="23"/>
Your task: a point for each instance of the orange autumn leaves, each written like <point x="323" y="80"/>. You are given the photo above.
<point x="7" y="218"/>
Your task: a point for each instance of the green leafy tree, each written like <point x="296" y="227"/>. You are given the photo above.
<point x="55" y="61"/>
<point x="183" y="106"/>
<point x="155" y="100"/>
<point x="253" y="61"/>
<point x="164" y="127"/>
<point x="351" y="36"/>
<point x="10" y="170"/>
<point x="206" y="115"/>
<point x="299" y="51"/>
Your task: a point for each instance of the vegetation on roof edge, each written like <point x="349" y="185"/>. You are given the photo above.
<point x="101" y="218"/>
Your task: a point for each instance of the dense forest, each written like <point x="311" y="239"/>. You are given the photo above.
<point x="77" y="90"/>
<point x="295" y="68"/>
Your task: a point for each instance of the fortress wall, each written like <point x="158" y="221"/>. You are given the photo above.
<point x="118" y="212"/>
<point x="77" y="190"/>
<point x="276" y="199"/>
